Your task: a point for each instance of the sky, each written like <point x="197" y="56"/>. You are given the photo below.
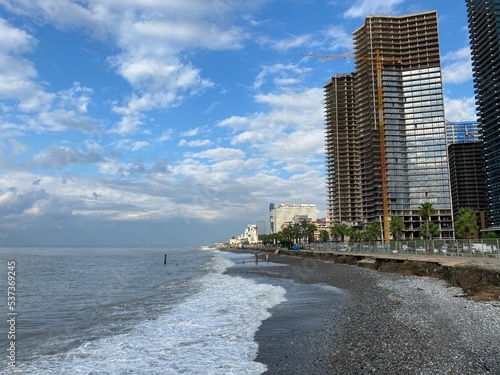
<point x="175" y="122"/>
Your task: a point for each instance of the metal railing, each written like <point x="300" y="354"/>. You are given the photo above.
<point x="484" y="248"/>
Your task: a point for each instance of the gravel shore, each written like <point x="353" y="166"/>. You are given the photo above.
<point x="386" y="324"/>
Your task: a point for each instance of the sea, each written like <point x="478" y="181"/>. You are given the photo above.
<point x="121" y="310"/>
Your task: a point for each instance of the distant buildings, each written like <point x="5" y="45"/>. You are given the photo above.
<point x="280" y="214"/>
<point x="361" y="184"/>
<point x="484" y="33"/>
<point x="261" y="227"/>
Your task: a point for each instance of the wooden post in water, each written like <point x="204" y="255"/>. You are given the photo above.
<point x="165" y="259"/>
<point x="256" y="258"/>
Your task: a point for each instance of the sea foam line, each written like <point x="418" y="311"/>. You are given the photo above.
<point x="211" y="332"/>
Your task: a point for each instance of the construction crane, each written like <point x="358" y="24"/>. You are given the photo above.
<point x="378" y="60"/>
<point x="468" y="135"/>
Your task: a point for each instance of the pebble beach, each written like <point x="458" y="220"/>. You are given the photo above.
<point x="388" y="324"/>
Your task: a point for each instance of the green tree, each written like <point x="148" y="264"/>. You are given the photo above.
<point x="324" y="236"/>
<point x="355" y="234"/>
<point x="340" y="231"/>
<point x="490" y="235"/>
<point x="372" y="231"/>
<point x="307" y="230"/>
<point x="397" y="226"/>
<point x="466" y="224"/>
<point x="431" y="230"/>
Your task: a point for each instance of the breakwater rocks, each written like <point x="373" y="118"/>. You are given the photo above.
<point x="479" y="278"/>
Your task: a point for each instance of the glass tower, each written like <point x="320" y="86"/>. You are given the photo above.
<point x="414" y="131"/>
<point x="484" y="34"/>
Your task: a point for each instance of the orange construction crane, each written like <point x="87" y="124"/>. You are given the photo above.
<point x="379" y="60"/>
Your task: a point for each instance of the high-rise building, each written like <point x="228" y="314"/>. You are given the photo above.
<point x="342" y="153"/>
<point x="415" y="163"/>
<point x="484" y="33"/>
<point x="467" y="170"/>
<point x="468" y="180"/>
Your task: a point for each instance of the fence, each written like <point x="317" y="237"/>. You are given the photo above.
<point x="485" y="248"/>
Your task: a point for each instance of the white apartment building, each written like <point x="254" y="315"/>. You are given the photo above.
<point x="280" y="213"/>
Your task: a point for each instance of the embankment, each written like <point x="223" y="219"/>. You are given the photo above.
<point x="479" y="278"/>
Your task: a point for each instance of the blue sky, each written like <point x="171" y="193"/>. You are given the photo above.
<point x="160" y="122"/>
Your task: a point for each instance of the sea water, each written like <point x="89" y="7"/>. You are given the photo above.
<point x="122" y="311"/>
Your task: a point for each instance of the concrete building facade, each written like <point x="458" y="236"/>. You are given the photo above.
<point x="343" y="154"/>
<point x="281" y="213"/>
<point x="484" y="34"/>
<point x="416" y="160"/>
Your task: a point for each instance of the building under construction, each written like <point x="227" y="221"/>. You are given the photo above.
<point x="385" y="128"/>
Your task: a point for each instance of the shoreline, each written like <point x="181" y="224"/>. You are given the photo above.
<point x="392" y="324"/>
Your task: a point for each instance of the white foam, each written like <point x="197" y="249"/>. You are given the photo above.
<point x="211" y="332"/>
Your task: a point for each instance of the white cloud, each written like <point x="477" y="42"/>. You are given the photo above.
<point x="462" y="109"/>
<point x="17" y="74"/>
<point x="17" y="148"/>
<point x="282" y="73"/>
<point x="362" y="8"/>
<point x="196" y="143"/>
<point x="191" y="132"/>
<point x="77" y="97"/>
<point x="220" y="153"/>
<point x="131" y="144"/>
<point x="62" y="156"/>
<point x="336" y="37"/>
<point x="286" y="44"/>
<point x="14" y="41"/>
<point x="166" y="135"/>
<point x="62" y="120"/>
<point x="116" y="167"/>
<point x="457" y="66"/>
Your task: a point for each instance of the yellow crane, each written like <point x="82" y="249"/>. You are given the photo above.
<point x="378" y="60"/>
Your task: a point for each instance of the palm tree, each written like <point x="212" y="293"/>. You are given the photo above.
<point x="324" y="236"/>
<point x="425" y="211"/>
<point x="466" y="224"/>
<point x="307" y="230"/>
<point x="397" y="226"/>
<point x="431" y="229"/>
<point x="341" y="231"/>
<point x="372" y="230"/>
<point x="355" y="234"/>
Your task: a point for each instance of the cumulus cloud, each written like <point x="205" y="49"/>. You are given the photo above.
<point x="196" y="143"/>
<point x="220" y="153"/>
<point x="363" y="8"/>
<point x="280" y="74"/>
<point x="131" y="144"/>
<point x="133" y="169"/>
<point x="337" y="38"/>
<point x="18" y="75"/>
<point x="457" y="66"/>
<point x="13" y="201"/>
<point x="62" y="156"/>
<point x="286" y="44"/>
<point x="461" y="109"/>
